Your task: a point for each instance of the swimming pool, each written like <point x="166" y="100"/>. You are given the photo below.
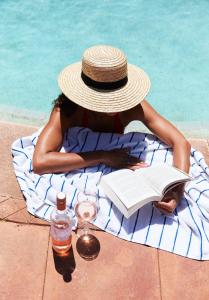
<point x="168" y="39"/>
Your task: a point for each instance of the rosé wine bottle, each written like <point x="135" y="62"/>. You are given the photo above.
<point x="61" y="226"/>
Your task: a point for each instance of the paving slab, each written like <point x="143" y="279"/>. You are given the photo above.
<point x="23" y="216"/>
<point x="10" y="205"/>
<point x="8" y="134"/>
<point x="122" y="270"/>
<point x="23" y="254"/>
<point x="183" y="278"/>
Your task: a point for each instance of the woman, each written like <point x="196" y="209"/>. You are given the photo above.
<point x="105" y="93"/>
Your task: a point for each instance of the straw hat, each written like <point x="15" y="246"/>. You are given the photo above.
<point x="104" y="81"/>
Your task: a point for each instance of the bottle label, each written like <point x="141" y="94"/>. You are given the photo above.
<point x="60" y="232"/>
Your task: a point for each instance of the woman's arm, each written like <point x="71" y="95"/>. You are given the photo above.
<point x="48" y="159"/>
<point x="168" y="134"/>
<point x="181" y="150"/>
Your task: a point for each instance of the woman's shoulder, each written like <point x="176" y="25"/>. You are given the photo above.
<point x="135" y="113"/>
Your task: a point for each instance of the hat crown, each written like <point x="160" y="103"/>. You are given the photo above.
<point x="104" y="64"/>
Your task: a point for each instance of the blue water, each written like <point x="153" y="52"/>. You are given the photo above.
<point x="169" y="39"/>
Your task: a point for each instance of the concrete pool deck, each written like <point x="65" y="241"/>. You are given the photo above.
<point x="122" y="270"/>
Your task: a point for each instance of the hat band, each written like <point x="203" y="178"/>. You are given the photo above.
<point x="104" y="85"/>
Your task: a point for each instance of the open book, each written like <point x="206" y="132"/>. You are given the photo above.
<point x="129" y="190"/>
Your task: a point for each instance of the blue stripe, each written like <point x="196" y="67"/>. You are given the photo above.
<point x="85" y="184"/>
<point x="62" y="185"/>
<point x="200" y="174"/>
<point x="20" y="152"/>
<point x="110" y="209"/>
<point x="14" y="162"/>
<point x="31" y="189"/>
<point x="73" y="147"/>
<point x="193" y="152"/>
<point x="38" y="181"/>
<point x="66" y="174"/>
<point x="142" y="151"/>
<point x="98" y="137"/>
<point x="149" y="225"/>
<point x="46" y="210"/>
<point x="135" y="224"/>
<point x="152" y="157"/>
<point x="201" y="212"/>
<point x="197" y="229"/>
<point x="162" y="232"/>
<point x="201" y="181"/>
<point x="206" y="168"/>
<point x="21" y="178"/>
<point x="154" y="140"/>
<point x="204" y="231"/>
<point x="166" y="155"/>
<point x="50" y="180"/>
<point x="108" y="216"/>
<point x="71" y="204"/>
<point x="118" y="139"/>
<point x="200" y="159"/>
<point x="111" y="137"/>
<point x="154" y="154"/>
<point x="47" y="192"/>
<point x="21" y="143"/>
<point x="79" y="131"/>
<point x="107" y="224"/>
<point x="31" y="168"/>
<point x="33" y="139"/>
<point x="188" y="248"/>
<point x="206" y="190"/>
<point x="84" y="142"/>
<point x="121" y="223"/>
<point x="132" y="135"/>
<point x="200" y="193"/>
<point x="174" y="243"/>
<point x="135" y="146"/>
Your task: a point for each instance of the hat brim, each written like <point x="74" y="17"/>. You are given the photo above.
<point x="135" y="90"/>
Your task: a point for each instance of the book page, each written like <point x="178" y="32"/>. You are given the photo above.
<point x="129" y="189"/>
<point x="161" y="176"/>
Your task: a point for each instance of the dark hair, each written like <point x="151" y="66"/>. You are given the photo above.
<point x="67" y="107"/>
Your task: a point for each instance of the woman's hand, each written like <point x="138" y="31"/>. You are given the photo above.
<point x="120" y="158"/>
<point x="170" y="201"/>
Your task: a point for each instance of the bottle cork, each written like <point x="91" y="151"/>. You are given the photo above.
<point x="61" y="201"/>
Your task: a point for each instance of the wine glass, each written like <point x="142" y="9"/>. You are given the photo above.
<point x="86" y="209"/>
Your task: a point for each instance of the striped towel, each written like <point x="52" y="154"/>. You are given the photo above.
<point x="185" y="232"/>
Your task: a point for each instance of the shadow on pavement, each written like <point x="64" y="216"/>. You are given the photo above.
<point x="65" y="264"/>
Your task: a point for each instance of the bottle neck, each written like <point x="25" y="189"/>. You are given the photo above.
<point x="61" y="204"/>
<point x="61" y="201"/>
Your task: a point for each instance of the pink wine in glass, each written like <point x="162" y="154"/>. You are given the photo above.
<point x="86" y="210"/>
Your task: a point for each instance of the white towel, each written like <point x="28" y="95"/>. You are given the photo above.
<point x="185" y="232"/>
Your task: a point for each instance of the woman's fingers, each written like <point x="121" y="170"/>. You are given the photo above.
<point x="167" y="207"/>
<point x="120" y="158"/>
<point x="138" y="165"/>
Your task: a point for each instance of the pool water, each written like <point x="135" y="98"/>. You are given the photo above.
<point x="169" y="39"/>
